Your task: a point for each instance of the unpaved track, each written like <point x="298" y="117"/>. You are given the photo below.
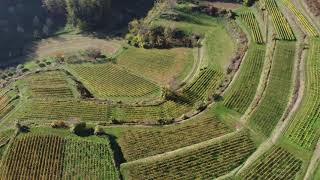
<point x="198" y="60"/>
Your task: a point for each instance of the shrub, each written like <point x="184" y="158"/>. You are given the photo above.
<point x="98" y="130"/>
<point x="42" y="65"/>
<point x="58" y="124"/>
<point x="93" y="53"/>
<point x="165" y="121"/>
<point x="200" y="106"/>
<point x="78" y="127"/>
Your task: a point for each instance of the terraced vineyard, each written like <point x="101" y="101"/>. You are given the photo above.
<point x="277" y="163"/>
<point x="204" y="85"/>
<point x="250" y="20"/>
<point x="208" y="160"/>
<point x="144" y="142"/>
<point x="55" y="157"/>
<point x="4" y="140"/>
<point x="48" y="84"/>
<point x="304" y="22"/>
<point x="165" y="111"/>
<point x="209" y="97"/>
<point x="241" y="93"/>
<point x="160" y="65"/>
<point x="277" y="93"/>
<point x="110" y="81"/>
<point x="5" y="136"/>
<point x="280" y="23"/>
<point x="304" y="128"/>
<point x="88" y="160"/>
<point x="7" y="101"/>
<point x="43" y="110"/>
<point x="33" y="157"/>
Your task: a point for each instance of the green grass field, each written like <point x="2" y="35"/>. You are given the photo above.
<point x="159" y="65"/>
<point x="276" y="96"/>
<point x="110" y="81"/>
<point x="214" y="31"/>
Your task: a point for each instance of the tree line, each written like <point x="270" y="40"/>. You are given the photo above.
<point x="84" y="14"/>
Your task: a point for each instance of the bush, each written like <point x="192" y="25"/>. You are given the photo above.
<point x="24" y="70"/>
<point x="98" y="130"/>
<point x="165" y="121"/>
<point x="78" y="128"/>
<point x="58" y="124"/>
<point x="42" y="65"/>
<point x="200" y="106"/>
<point x="93" y="53"/>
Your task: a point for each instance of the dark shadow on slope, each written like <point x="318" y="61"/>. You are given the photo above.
<point x="117" y="153"/>
<point x="22" y="22"/>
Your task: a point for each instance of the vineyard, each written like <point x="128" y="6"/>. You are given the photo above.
<point x="208" y="160"/>
<point x="280" y="23"/>
<point x="91" y="111"/>
<point x="304" y="128"/>
<point x="189" y="90"/>
<point x="43" y="110"/>
<point x="277" y="93"/>
<point x="251" y="22"/>
<point x="88" y="160"/>
<point x="110" y="81"/>
<point x="48" y="84"/>
<point x="277" y="163"/>
<point x="304" y="22"/>
<point x="5" y="137"/>
<point x="204" y="85"/>
<point x="33" y="157"/>
<point x="242" y="92"/>
<point x="7" y="102"/>
<point x="56" y="157"/>
<point x="4" y="140"/>
<point x="165" y="111"/>
<point x="158" y="64"/>
<point x="144" y="142"/>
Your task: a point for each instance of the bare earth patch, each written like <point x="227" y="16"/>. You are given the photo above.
<point x="71" y="43"/>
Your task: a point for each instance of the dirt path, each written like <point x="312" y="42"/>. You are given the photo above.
<point x="196" y="65"/>
<point x="313" y="163"/>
